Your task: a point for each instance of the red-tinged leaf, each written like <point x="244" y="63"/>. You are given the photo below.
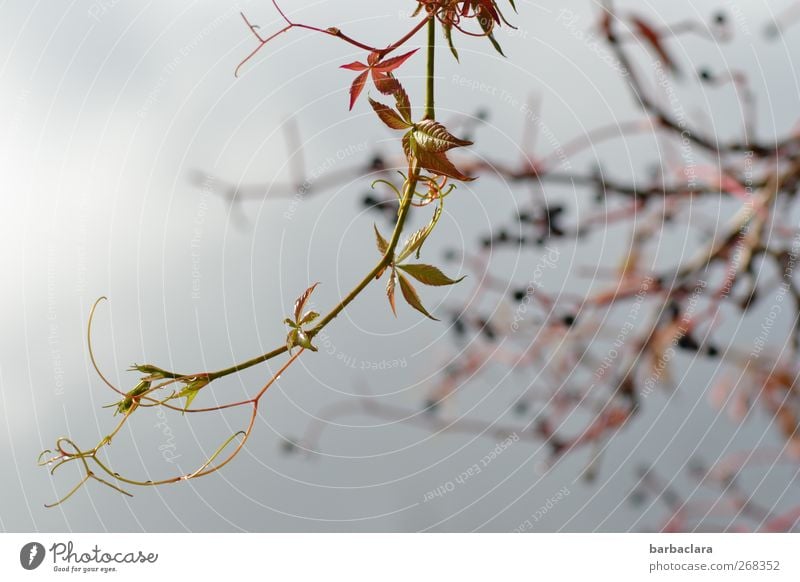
<point x="437" y="163"/>
<point x="489" y="7"/>
<point x="388" y="115"/>
<point x="411" y="297"/>
<point x="301" y="301"/>
<point x="429" y="275"/>
<point x="385" y="82"/>
<point x="355" y="66"/>
<point x="403" y="104"/>
<point x="357" y="87"/>
<point x="652" y="37"/>
<point x="383" y="246"/>
<point x="407" y="145"/>
<point x="391" y="64"/>
<point x="432" y="136"/>
<point x="390" y="287"/>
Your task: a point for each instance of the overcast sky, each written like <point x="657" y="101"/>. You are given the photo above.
<point x="116" y="112"/>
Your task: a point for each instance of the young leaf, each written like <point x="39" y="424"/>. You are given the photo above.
<point x="434" y="162"/>
<point x="388" y="65"/>
<point x="411" y="297"/>
<point x="357" y="87"/>
<point x="487" y="24"/>
<point x="355" y="66"/>
<point x="304" y="341"/>
<point x="388" y="115"/>
<point x="403" y="104"/>
<point x="190" y="396"/>
<point x="390" y="287"/>
<point x="415" y="241"/>
<point x="385" y="83"/>
<point x="291" y="339"/>
<point x="301" y="301"/>
<point x="381" y="74"/>
<point x="191" y="391"/>
<point x="429" y="275"/>
<point x="432" y="136"/>
<point x="308" y="317"/>
<point x="448" y="34"/>
<point x="381" y="243"/>
<point x="495" y="44"/>
<point x="437" y="163"/>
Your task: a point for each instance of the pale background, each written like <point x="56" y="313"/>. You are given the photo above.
<point x="108" y="109"/>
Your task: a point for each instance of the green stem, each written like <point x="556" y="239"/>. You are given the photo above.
<point x="388" y="257"/>
<point x="247" y="364"/>
<point x="386" y="260"/>
<point x="429" y="74"/>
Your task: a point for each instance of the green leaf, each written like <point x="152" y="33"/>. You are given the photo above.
<point x="432" y="136"/>
<point x="487" y="24"/>
<point x="291" y="339"/>
<point x="448" y="34"/>
<point x="411" y="297"/>
<point x="496" y="44"/>
<point x="308" y="317"/>
<point x="190" y="396"/>
<point x="130" y="397"/>
<point x="191" y="391"/>
<point x="152" y="372"/>
<point x="429" y="275"/>
<point x="388" y="115"/>
<point x="415" y="241"/>
<point x="383" y="246"/>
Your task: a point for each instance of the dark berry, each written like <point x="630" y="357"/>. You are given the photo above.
<point x="458" y="326"/>
<point x="688" y="343"/>
<point x="377" y="163"/>
<point x="487" y="329"/>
